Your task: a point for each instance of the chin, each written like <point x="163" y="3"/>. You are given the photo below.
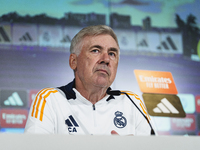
<point x="101" y="84"/>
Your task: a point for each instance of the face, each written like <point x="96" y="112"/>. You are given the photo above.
<point x="97" y="63"/>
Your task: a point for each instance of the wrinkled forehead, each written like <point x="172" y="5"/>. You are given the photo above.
<point x="106" y="39"/>
<point x="88" y="39"/>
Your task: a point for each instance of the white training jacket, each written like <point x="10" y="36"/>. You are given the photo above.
<point x="65" y="111"/>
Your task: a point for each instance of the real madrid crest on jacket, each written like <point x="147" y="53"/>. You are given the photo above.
<point x="119" y="120"/>
<point x="65" y="111"/>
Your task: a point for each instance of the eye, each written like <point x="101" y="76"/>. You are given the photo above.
<point x="112" y="54"/>
<point x="95" y="51"/>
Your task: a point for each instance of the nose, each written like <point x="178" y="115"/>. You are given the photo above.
<point x="105" y="58"/>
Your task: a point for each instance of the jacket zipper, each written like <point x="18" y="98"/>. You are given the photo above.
<point x="93" y="106"/>
<point x="94" y="118"/>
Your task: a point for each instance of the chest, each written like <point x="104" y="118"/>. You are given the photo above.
<point x="98" y="119"/>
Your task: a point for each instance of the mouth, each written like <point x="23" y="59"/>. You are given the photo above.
<point x="103" y="71"/>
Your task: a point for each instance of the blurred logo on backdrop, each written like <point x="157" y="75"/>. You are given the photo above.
<point x="181" y="124"/>
<point x="5" y="34"/>
<point x="13" y="118"/>
<point x="13" y="99"/>
<point x="197" y="102"/>
<point x="188" y="102"/>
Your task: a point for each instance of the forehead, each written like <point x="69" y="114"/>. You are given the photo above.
<point x="103" y="40"/>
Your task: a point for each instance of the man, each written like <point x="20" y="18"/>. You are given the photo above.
<point x="82" y="106"/>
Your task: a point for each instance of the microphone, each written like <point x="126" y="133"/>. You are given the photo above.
<point x="117" y="93"/>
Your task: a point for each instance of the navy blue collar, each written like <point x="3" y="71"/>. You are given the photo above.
<point x="68" y="90"/>
<point x="70" y="94"/>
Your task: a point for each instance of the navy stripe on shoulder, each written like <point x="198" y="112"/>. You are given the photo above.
<point x="68" y="90"/>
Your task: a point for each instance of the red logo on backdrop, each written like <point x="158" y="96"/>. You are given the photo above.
<point x="13" y="118"/>
<point x="182" y="124"/>
<point x="197" y="102"/>
<point x="32" y="95"/>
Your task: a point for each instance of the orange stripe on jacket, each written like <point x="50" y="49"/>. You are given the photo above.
<point x="44" y="102"/>
<point x="33" y="108"/>
<point x="38" y="99"/>
<point x="141" y="103"/>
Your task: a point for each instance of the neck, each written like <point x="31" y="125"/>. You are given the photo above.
<point x="93" y="93"/>
<point x="94" y="97"/>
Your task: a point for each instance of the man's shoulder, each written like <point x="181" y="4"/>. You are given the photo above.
<point x="129" y="97"/>
<point x="67" y="90"/>
<point x="45" y="92"/>
<point x="125" y="94"/>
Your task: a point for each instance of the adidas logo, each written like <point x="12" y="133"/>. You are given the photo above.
<point x="143" y="43"/>
<point x="3" y="35"/>
<point x="167" y="44"/>
<point x="13" y="100"/>
<point x="26" y="37"/>
<point x="165" y="107"/>
<point x="72" y="124"/>
<point x="66" y="39"/>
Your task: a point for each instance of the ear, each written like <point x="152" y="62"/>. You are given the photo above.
<point x="73" y="61"/>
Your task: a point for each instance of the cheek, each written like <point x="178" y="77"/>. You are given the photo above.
<point x="115" y="68"/>
<point x="86" y="65"/>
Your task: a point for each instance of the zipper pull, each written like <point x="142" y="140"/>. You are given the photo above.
<point x="93" y="107"/>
